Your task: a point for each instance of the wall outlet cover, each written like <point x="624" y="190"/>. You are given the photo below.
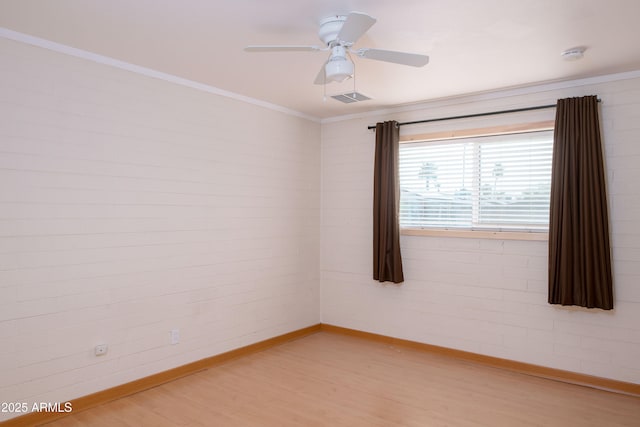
<point x="101" y="349"/>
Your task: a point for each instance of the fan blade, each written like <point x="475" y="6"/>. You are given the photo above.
<point x="321" y="78"/>
<point x="354" y="27"/>
<point x="282" y="48"/>
<point x="403" y="58"/>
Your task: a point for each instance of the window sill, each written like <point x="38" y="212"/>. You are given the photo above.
<point x="477" y="234"/>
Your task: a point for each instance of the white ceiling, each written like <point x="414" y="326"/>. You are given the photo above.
<point x="474" y="45"/>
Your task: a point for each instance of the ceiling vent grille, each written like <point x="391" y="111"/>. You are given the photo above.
<point x="350" y="97"/>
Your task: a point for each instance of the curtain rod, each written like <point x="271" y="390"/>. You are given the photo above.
<point x="468" y="116"/>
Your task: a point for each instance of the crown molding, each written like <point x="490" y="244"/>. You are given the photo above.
<point x="489" y="95"/>
<point x="440" y="102"/>
<point x="112" y="62"/>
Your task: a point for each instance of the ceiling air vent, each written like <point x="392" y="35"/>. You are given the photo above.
<point x="350" y="97"/>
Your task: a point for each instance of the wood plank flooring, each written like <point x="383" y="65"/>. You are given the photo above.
<point x="328" y="379"/>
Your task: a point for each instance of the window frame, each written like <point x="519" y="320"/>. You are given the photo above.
<point x="471" y="133"/>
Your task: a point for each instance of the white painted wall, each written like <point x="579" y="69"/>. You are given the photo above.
<point x="484" y="296"/>
<point x="130" y="206"/>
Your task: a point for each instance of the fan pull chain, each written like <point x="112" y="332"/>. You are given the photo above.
<point x="354" y="73"/>
<point x="354" y="79"/>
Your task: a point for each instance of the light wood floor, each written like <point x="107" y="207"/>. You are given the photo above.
<point x="334" y="380"/>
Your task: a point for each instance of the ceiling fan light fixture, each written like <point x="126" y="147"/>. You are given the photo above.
<point x="338" y="70"/>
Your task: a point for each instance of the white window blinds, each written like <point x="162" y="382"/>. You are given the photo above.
<point x="489" y="183"/>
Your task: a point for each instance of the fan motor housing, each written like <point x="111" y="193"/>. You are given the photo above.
<point x="330" y="28"/>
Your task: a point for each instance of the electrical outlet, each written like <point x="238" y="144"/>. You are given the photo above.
<point x="175" y="336"/>
<point x="101" y="349"/>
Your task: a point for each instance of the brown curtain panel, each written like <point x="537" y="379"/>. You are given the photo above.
<point x="579" y="254"/>
<point x="387" y="261"/>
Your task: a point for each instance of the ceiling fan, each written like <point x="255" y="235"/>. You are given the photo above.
<point x="340" y="33"/>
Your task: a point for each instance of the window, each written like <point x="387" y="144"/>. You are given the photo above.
<point x="492" y="183"/>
